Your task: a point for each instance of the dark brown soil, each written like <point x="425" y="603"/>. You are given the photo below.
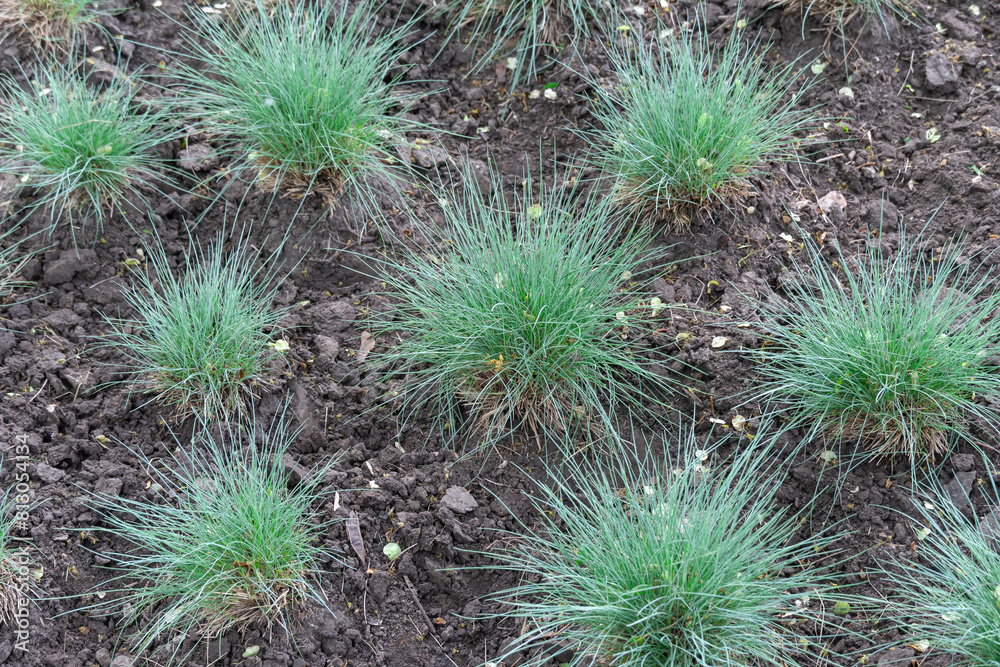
<point x="54" y="374"/>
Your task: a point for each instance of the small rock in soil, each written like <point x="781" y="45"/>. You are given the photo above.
<point x="963" y="462"/>
<point x="296" y="472"/>
<point x="108" y="486"/>
<point x="940" y="71"/>
<point x="333" y="316"/>
<point x="327" y="348"/>
<point x="960" y="487"/>
<point x="63" y="319"/>
<point x="958" y="28"/>
<point x="832" y="200"/>
<point x="459" y="500"/>
<point x="48" y="474"/>
<point x="989" y="525"/>
<point x="198" y="157"/>
<point x="896" y="657"/>
<point x="103" y="657"/>
<point x="123" y="661"/>
<point x="430" y="156"/>
<point x="67" y="266"/>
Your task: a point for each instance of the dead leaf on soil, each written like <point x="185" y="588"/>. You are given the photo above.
<point x="354" y="535"/>
<point x="367" y="345"/>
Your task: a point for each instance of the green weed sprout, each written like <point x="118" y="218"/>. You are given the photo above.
<point x="526" y="314"/>
<point x="636" y="562"/>
<point x="202" y="342"/>
<point x="535" y="26"/>
<point x="307" y="101"/>
<point x="951" y="594"/>
<point x="85" y="150"/>
<point x="223" y="540"/>
<point x="59" y="25"/>
<point x="689" y="125"/>
<point x="891" y="354"/>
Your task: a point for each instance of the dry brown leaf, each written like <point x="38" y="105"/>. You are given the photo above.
<point x="367" y="345"/>
<point x="354" y="536"/>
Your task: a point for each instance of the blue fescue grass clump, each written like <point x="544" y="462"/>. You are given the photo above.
<point x="535" y="28"/>
<point x="58" y="26"/>
<point x="307" y="97"/>
<point x="224" y="539"/>
<point x="893" y="354"/>
<point x="524" y="313"/>
<point x="205" y="340"/>
<point x="85" y="150"/>
<point x="950" y="595"/>
<point x="689" y="125"/>
<point x="638" y="562"/>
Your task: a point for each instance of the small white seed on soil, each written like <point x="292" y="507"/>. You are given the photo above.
<point x="719" y="341"/>
<point x="550" y="94"/>
<point x="640" y="10"/>
<point x="846" y="92"/>
<point x="534" y="95"/>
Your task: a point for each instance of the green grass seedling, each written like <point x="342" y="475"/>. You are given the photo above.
<point x="689" y="125"/>
<point x="202" y="342"/>
<point x="307" y="103"/>
<point x="221" y="541"/>
<point x="891" y="355"/>
<point x="526" y="314"/>
<point x="636" y="562"/>
<point x="951" y="594"/>
<point x="85" y="150"/>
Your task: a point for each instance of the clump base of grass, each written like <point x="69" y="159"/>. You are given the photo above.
<point x="689" y="124"/>
<point x="202" y="343"/>
<point x="525" y="313"/>
<point x="85" y="151"/>
<point x="222" y="542"/>
<point x="890" y="355"/>
<point x="690" y="561"/>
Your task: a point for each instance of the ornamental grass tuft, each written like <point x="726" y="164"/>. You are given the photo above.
<point x="222" y="540"/>
<point x="637" y="562"/>
<point x="85" y="150"/>
<point x="839" y="13"/>
<point x="306" y="98"/>
<point x="203" y="342"/>
<point x="950" y="595"/>
<point x="689" y="125"/>
<point x="54" y="25"/>
<point x="891" y="354"/>
<point x="519" y="33"/>
<point x="528" y="314"/>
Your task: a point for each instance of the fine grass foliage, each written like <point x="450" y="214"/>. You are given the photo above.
<point x="839" y="13"/>
<point x="951" y="594"/>
<point x="525" y="313"/>
<point x="12" y="260"/>
<point x="84" y="150"/>
<point x="640" y="561"/>
<point x="16" y="585"/>
<point x="54" y="25"/>
<point x="204" y="341"/>
<point x="308" y="102"/>
<point x="688" y="125"/>
<point x="893" y="354"/>
<point x="534" y="28"/>
<point x="221" y="540"/>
